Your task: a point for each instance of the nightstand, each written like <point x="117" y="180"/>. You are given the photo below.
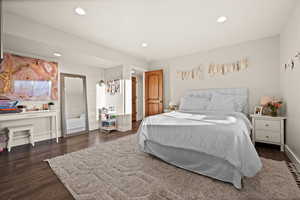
<point x="267" y="129"/>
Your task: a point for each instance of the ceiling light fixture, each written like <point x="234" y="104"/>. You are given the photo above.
<point x="80" y="11"/>
<point x="222" y="19"/>
<point x="144" y="44"/>
<point x="56" y="54"/>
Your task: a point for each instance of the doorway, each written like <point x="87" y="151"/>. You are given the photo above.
<point x="134" y="98"/>
<point x="74" y="112"/>
<point x="137" y="95"/>
<point x="153" y="92"/>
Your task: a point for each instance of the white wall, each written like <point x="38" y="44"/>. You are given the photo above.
<point x="116" y="100"/>
<point x="262" y="76"/>
<point x="290" y="82"/>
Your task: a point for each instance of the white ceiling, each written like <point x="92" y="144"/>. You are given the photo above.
<point x="28" y="47"/>
<point x="170" y="27"/>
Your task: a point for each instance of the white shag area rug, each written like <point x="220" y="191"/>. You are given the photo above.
<point x="119" y="171"/>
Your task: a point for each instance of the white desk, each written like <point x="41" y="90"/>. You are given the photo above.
<point x="51" y="114"/>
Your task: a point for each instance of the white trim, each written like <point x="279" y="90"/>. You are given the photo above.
<point x="292" y="156"/>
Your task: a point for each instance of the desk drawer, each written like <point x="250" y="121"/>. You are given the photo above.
<point x="268" y="136"/>
<point x="267" y="125"/>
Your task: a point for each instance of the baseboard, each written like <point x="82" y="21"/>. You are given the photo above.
<point x="292" y="156"/>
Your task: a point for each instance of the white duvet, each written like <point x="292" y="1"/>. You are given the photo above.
<point x="223" y="135"/>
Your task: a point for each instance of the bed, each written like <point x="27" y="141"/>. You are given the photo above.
<point x="210" y="135"/>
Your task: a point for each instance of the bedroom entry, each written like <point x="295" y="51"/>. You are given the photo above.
<point x="74" y="113"/>
<point x="154" y="92"/>
<point x="137" y="95"/>
<point x="134" y="98"/>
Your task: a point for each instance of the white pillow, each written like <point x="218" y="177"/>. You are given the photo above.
<point x="193" y="103"/>
<point x="228" y="103"/>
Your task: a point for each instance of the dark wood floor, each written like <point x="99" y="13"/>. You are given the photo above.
<point x="24" y="175"/>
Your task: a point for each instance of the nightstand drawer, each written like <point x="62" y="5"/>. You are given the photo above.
<point x="268" y="136"/>
<point x="267" y="125"/>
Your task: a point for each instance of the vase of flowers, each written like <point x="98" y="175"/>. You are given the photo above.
<point x="273" y="107"/>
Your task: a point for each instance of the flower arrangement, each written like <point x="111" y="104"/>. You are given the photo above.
<point x="273" y="107"/>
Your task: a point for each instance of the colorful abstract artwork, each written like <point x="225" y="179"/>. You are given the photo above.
<point x="28" y="79"/>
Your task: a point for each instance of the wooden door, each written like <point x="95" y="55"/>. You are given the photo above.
<point x="133" y="97"/>
<point x="153" y="92"/>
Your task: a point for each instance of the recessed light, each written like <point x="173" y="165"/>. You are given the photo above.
<point x="80" y="11"/>
<point x="56" y="54"/>
<point x="144" y="44"/>
<point x="222" y="19"/>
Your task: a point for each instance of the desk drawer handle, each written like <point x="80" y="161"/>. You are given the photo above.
<point x="267" y="125"/>
<point x="267" y="136"/>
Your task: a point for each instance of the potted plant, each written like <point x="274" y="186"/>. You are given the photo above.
<point x="51" y="106"/>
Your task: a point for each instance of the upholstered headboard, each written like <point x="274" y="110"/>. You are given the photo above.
<point x="208" y="93"/>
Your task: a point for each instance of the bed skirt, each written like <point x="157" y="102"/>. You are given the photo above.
<point x="199" y="163"/>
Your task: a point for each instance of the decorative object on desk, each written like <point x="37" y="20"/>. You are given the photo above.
<point x="172" y="106"/>
<point x="113" y="87"/>
<point x="292" y="61"/>
<point x="51" y="106"/>
<point x="193" y="74"/>
<point x="258" y="110"/>
<point x="240" y="65"/>
<point x="8" y="106"/>
<point x="45" y="106"/>
<point x="22" y="108"/>
<point x="28" y="78"/>
<point x="272" y="108"/>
